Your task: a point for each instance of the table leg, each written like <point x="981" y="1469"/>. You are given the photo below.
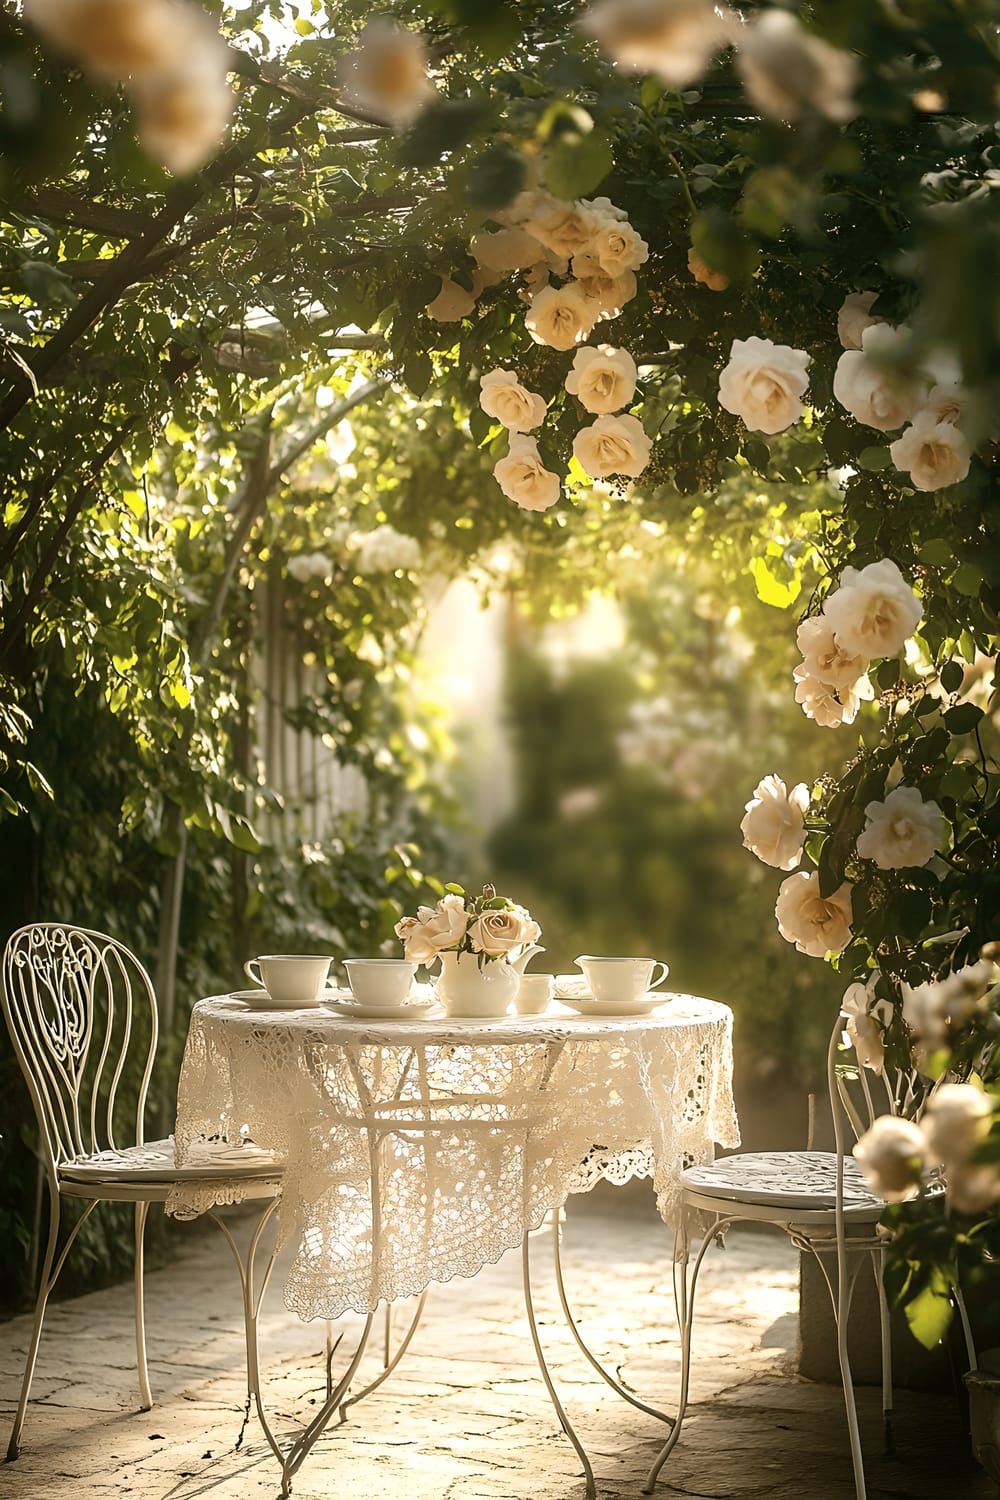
<point x="390" y="1363"/>
<point x="564" y="1420"/>
<point x="591" y="1358"/>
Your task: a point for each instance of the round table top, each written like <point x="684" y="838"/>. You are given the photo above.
<point x="323" y="1023"/>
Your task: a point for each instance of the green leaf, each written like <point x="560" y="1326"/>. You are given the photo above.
<point x="577" y="164"/>
<point x="962" y="719"/>
<point x="441" y="128"/>
<point x="771" y="590"/>
<point x="453" y="889"/>
<point x="952" y="676"/>
<point x="873" y="458"/>
<point x="495" y="177"/>
<point x="937" y="552"/>
<point x="242" y="835"/>
<point x="929" y="1312"/>
<point x="968" y="580"/>
<point x="887" y="672"/>
<point x="304" y="27"/>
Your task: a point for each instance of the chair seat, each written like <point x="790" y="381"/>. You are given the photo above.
<point x="784" y="1179"/>
<point x="154" y="1162"/>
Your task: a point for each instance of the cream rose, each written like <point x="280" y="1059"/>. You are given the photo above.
<point x="865" y="384"/>
<point x="433" y="930"/>
<point x="764" y="384"/>
<point x="945" y="403"/>
<point x="824" y="658"/>
<point x="816" y="924"/>
<point x="785" y="70"/>
<point x="606" y="295"/>
<point x="675" y="39"/>
<point x="863" y="1031"/>
<point x="559" y="317"/>
<point x="121" y="40"/>
<point x="612" y="445"/>
<point x="386" y="73"/>
<point x="451" y="304"/>
<point x="933" y="453"/>
<point x="892" y="1156"/>
<point x="716" y="281"/>
<point x="903" y="832"/>
<point x="830" y="706"/>
<point x="617" y="247"/>
<point x="506" y="250"/>
<point x="501" y="931"/>
<point x="774" y="826"/>
<point x="182" y="118"/>
<point x="873" y="612"/>
<point x="956" y="1119"/>
<point x="973" y="1190"/>
<point x="524" y="478"/>
<point x="563" y="228"/>
<point x="855" y="318"/>
<point x="501" y="395"/>
<point x="602" y="379"/>
<point x="929" y="1008"/>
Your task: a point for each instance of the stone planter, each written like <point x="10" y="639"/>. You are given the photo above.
<point x="983" y="1386"/>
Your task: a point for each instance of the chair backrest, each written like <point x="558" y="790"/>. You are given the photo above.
<point x="79" y="1006"/>
<point x="884" y="1089"/>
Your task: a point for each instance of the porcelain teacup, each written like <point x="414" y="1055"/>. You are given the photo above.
<point x="621" y="978"/>
<point x="380" y="981"/>
<point x="290" y="979"/>
<point x="534" y="994"/>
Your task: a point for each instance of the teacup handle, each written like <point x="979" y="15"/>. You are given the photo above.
<point x="655" y="983"/>
<point x="252" y="970"/>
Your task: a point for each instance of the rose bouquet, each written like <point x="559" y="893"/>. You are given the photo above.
<point x="490" y="926"/>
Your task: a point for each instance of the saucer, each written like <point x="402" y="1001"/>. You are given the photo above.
<point x="586" y="1005"/>
<point x="260" y="1000"/>
<point x="343" y="1003"/>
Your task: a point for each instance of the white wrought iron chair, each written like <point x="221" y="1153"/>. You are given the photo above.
<point x="820" y="1201"/>
<point x="78" y="1004"/>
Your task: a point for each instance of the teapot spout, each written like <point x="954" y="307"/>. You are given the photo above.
<point x="521" y="963"/>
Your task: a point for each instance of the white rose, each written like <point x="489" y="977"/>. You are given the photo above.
<point x="121" y="40"/>
<point x="774" y="827"/>
<point x="501" y="931"/>
<point x="830" y="706"/>
<point x="563" y="228"/>
<point x="863" y="1031"/>
<point x="764" y="384"/>
<point x="945" y="403"/>
<point x="612" y="445"/>
<point x="716" y="281"/>
<point x="501" y="395"/>
<point x="875" y="394"/>
<point x="873" y="612"/>
<point x="386" y="550"/>
<point x="928" y="1008"/>
<point x="605" y="209"/>
<point x="182" y="118"/>
<point x="606" y="295"/>
<point x="559" y="317"/>
<point x="956" y="1119"/>
<point x="433" y="930"/>
<point x="824" y="658"/>
<point x="602" y="379"/>
<point x="452" y="302"/>
<point x="385" y="75"/>
<point x="973" y="1189"/>
<point x="310" y="565"/>
<point x="524" y="478"/>
<point x="617" y="247"/>
<point x="675" y="39"/>
<point x="901" y="833"/>
<point x="816" y="924"/>
<point x="933" y="453"/>
<point x="786" y="70"/>
<point x="892" y="1156"/>
<point x="854" y="318"/>
<point x="506" y="250"/>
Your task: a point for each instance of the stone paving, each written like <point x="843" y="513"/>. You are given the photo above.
<point x="465" y="1416"/>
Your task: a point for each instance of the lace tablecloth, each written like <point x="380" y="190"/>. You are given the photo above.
<point x="421" y="1150"/>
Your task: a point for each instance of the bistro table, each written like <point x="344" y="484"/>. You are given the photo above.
<point x="421" y="1149"/>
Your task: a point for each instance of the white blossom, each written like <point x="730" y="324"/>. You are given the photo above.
<point x="956" y="1119"/>
<point x="617" y="247"/>
<point x="386" y="550"/>
<point x="716" y="281"/>
<point x="764" y="384"/>
<point x="874" y="611"/>
<point x="501" y="395"/>
<point x="307" y="566"/>
<point x="785" y="70"/>
<point x="824" y="658"/>
<point x="675" y="39"/>
<point x="559" y="317"/>
<point x="773" y="827"/>
<point x="865" y="384"/>
<point x="892" y="1156"/>
<point x="863" y="1031"/>
<point x="451" y="304"/>
<point x="183" y="117"/>
<point x="934" y="453"/>
<point x="605" y="295"/>
<point x="524" y="478"/>
<point x="506" y="250"/>
<point x="385" y="75"/>
<point x="126" y="40"/>
<point x="816" y="924"/>
<point x="602" y="378"/>
<point x="830" y="706"/>
<point x="612" y="445"/>
<point x="855" y="318"/>
<point x="903" y="832"/>
<point x="563" y="228"/>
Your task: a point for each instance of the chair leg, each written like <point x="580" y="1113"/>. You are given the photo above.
<point x="842" y="1317"/>
<point x="685" y="1311"/>
<point x="885" y="1325"/>
<point x="145" y="1394"/>
<point x="44" y="1287"/>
